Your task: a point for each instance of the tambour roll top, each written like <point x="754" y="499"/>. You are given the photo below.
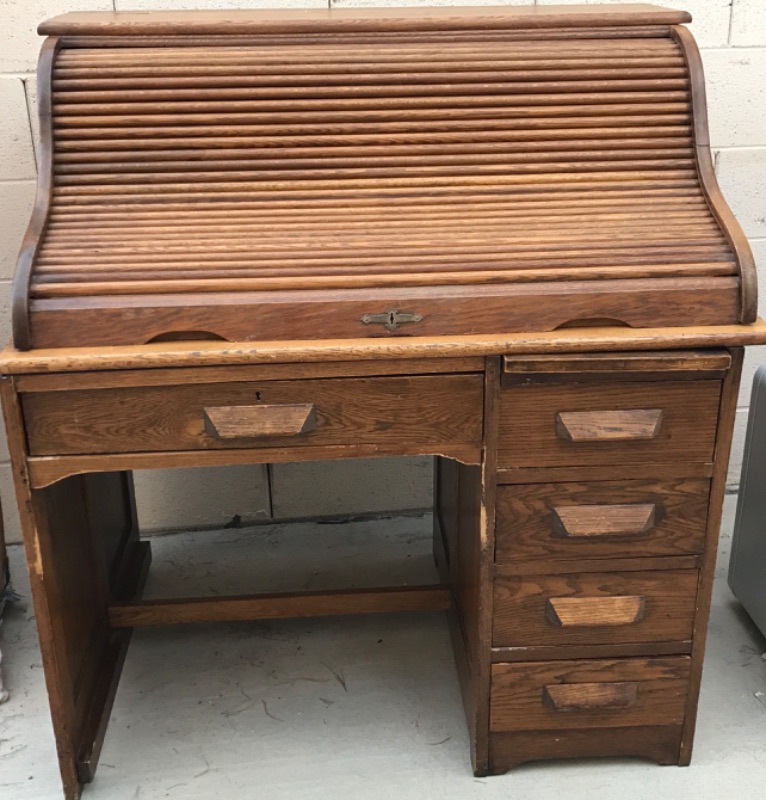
<point x="386" y="172"/>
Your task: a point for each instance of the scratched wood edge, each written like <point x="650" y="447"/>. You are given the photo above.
<point x="46" y="470"/>
<point x="748" y="287"/>
<point x="568" y="340"/>
<point x="30" y="244"/>
<point x="483" y="678"/>
<point x="245" y="21"/>
<point x="728" y="409"/>
<point x="61" y="705"/>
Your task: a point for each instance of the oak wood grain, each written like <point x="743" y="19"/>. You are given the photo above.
<point x="375" y="411"/>
<point x="518" y="693"/>
<point x="607" y="520"/>
<point x="528" y="429"/>
<point x="603" y="519"/>
<point x="237" y="422"/>
<point x="602" y="338"/>
<point x="279" y="606"/>
<point x="596" y="608"/>
<point x="612" y="426"/>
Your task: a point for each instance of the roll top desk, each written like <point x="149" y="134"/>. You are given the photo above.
<point x="489" y="235"/>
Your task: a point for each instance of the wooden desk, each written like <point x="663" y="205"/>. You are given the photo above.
<point x="578" y="502"/>
<point x="489" y="235"/>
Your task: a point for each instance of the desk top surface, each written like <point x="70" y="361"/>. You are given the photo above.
<point x="208" y="354"/>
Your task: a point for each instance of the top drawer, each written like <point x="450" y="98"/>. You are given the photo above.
<point x="420" y="410"/>
<point x="620" y="413"/>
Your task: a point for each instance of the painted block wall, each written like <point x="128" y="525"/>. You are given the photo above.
<point x="732" y="37"/>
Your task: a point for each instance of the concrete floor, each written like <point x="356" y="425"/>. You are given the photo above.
<point x="349" y="708"/>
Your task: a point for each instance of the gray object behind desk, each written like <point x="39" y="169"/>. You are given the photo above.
<point x="747" y="568"/>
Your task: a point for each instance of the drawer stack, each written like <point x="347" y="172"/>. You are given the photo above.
<point x="603" y="490"/>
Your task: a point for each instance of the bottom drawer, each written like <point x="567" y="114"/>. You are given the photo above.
<point x="565" y="695"/>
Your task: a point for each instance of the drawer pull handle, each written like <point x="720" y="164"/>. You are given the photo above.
<point x="608" y="426"/>
<point x="581" y="522"/>
<point x="236" y="422"/>
<point x="585" y="696"/>
<point x="572" y="612"/>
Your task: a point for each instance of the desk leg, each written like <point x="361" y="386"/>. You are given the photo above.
<point x="464" y="527"/>
<point x="81" y="542"/>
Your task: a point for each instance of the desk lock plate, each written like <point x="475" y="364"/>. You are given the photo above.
<point x="392" y="318"/>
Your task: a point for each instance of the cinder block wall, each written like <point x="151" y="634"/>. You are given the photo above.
<point x="732" y="36"/>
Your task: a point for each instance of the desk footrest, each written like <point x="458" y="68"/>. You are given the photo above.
<point x="280" y="606"/>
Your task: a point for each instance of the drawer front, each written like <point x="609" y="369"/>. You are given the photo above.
<point x="566" y="695"/>
<point x="380" y="411"/>
<point x="605" y="519"/>
<point x="593" y="608"/>
<point x="581" y="424"/>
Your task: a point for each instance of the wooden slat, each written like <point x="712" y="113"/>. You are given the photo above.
<point x="305" y="159"/>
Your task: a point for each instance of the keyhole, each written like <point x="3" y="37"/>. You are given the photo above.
<point x="258" y="396"/>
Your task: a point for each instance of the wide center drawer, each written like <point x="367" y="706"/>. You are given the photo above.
<point x="419" y="410"/>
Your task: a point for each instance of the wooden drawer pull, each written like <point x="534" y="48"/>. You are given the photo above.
<point x="569" y="612"/>
<point x="608" y="426"/>
<point x="584" y="696"/>
<point x="612" y="520"/>
<point x="235" y="422"/>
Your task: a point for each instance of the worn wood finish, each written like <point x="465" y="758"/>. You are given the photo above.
<point x="601" y="519"/>
<point x="726" y="417"/>
<point x="33" y="237"/>
<point x="489" y="235"/>
<point x="657" y="743"/>
<point x="615" y="366"/>
<point x="236" y="422"/>
<point x="116" y="378"/>
<point x="596" y="608"/>
<point x="590" y="612"/>
<point x="528" y="423"/>
<point x="611" y="520"/>
<point x="590" y="696"/>
<point x="519" y="704"/>
<point x="78" y="549"/>
<point x="45" y="470"/>
<point x="279" y="606"/>
<point x="609" y="426"/>
<point x="708" y="180"/>
<point x="378" y="20"/>
<point x="596" y="472"/>
<point x="568" y="652"/>
<point x="206" y="353"/>
<point x="311" y="314"/>
<point x="377" y="411"/>
<point x="487" y="182"/>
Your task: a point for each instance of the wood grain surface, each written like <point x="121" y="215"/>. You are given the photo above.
<point x="529" y="438"/>
<point x="518" y="693"/>
<point x="462" y="172"/>
<point x="432" y="409"/>
<point x="593" y="608"/>
<point x="529" y="527"/>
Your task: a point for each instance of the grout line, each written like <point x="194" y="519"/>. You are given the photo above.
<point x="270" y="480"/>
<point x="733" y="47"/>
<point x="738" y="147"/>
